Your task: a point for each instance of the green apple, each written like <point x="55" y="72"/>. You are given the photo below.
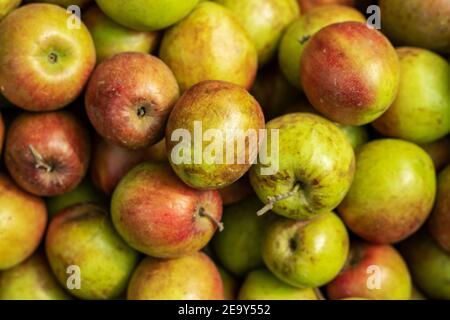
<point x="309" y="5"/>
<point x="429" y="265"/>
<point x="314" y="166"/>
<point x="306" y="254"/>
<point x="65" y="3"/>
<point x="357" y="135"/>
<point x="238" y="246"/>
<point x="264" y="21"/>
<point x="439" y="151"/>
<point x="6" y="6"/>
<point x="392" y="193"/>
<point x="44" y="64"/>
<point x="111" y="38"/>
<point x="230" y="284"/>
<point x="209" y="44"/>
<point x="262" y="285"/>
<point x="421" y="111"/>
<point x="297" y="35"/>
<point x="192" y="277"/>
<point x="82" y="236"/>
<point x="31" y="280"/>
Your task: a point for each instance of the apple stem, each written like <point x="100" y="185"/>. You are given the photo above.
<point x="274" y="199"/>
<point x="40" y="162"/>
<point x="219" y="224"/>
<point x="319" y="294"/>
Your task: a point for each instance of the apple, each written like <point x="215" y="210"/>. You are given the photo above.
<point x="302" y="29"/>
<point x="147" y="15"/>
<point x="230" y="284"/>
<point x="237" y="191"/>
<point x="129" y="98"/>
<point x="156" y="152"/>
<point x="439" y="221"/>
<point x="350" y="73"/>
<point x="357" y="135"/>
<point x="47" y="154"/>
<point x="372" y="272"/>
<point x="262" y="285"/>
<point x="429" y="265"/>
<point x="417" y="23"/>
<point x="308" y="5"/>
<point x="31" y="280"/>
<point x="439" y="151"/>
<point x="6" y="6"/>
<point x="238" y="247"/>
<point x="421" y="111"/>
<point x="82" y="237"/>
<point x="23" y="218"/>
<point x="227" y="112"/>
<point x="392" y="193"/>
<point x="209" y="44"/>
<point x="306" y="254"/>
<point x="315" y="167"/>
<point x="111" y="38"/>
<point x="264" y="21"/>
<point x="192" y="277"/>
<point x="65" y="3"/>
<point x="44" y="65"/>
<point x="157" y="214"/>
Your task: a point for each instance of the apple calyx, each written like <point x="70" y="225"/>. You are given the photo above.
<point x="203" y="213"/>
<point x="53" y="57"/>
<point x="40" y="162"/>
<point x="274" y="199"/>
<point x="141" y="112"/>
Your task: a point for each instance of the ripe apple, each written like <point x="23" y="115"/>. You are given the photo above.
<point x="306" y="254"/>
<point x="6" y="6"/>
<point x="111" y="38"/>
<point x="350" y="73"/>
<point x="82" y="236"/>
<point x="315" y="171"/>
<point x="65" y="3"/>
<point x="157" y="214"/>
<point x="192" y="277"/>
<point x="209" y="44"/>
<point x="357" y="135"/>
<point x="129" y="98"/>
<point x="392" y="193"/>
<point x="237" y="191"/>
<point x="47" y="154"/>
<point x="421" y="111"/>
<point x="439" y="222"/>
<point x="23" y="220"/>
<point x="31" y="280"/>
<point x="230" y="284"/>
<point x="429" y="265"/>
<point x="238" y="247"/>
<point x="308" y="5"/>
<point x="147" y="15"/>
<point x="301" y="30"/>
<point x="228" y="112"/>
<point x="262" y="285"/>
<point x="372" y="272"/>
<point x="44" y="65"/>
<point x="439" y="151"/>
<point x="417" y="23"/>
<point x="264" y="21"/>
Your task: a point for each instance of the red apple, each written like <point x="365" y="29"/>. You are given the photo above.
<point x="157" y="214"/>
<point x="47" y="154"/>
<point x="129" y="98"/>
<point x="44" y="63"/>
<point x="308" y="5"/>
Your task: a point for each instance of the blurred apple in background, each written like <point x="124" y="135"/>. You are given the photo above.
<point x="439" y="151"/>
<point x="6" y="6"/>
<point x="236" y="191"/>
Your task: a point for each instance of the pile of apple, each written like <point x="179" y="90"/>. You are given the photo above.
<point x="96" y="204"/>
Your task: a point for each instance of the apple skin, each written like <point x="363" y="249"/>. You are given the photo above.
<point x="429" y="265"/>
<point x="196" y="48"/>
<point x="439" y="222"/>
<point x="395" y="280"/>
<point x="43" y="64"/>
<point x="297" y="34"/>
<point x="65" y="3"/>
<point x="156" y="279"/>
<point x="6" y="6"/>
<point x="82" y="235"/>
<point x="439" y="151"/>
<point x="61" y="142"/>
<point x="31" y="280"/>
<point x="237" y="191"/>
<point x="220" y="106"/>
<point x="350" y="73"/>
<point x="308" y="5"/>
<point x="421" y="111"/>
<point x="18" y="237"/>
<point x="238" y="246"/>
<point x="157" y="214"/>
<point x="230" y="284"/>
<point x="111" y="38"/>
<point x="264" y="21"/>
<point x="147" y="15"/>
<point x="316" y="157"/>
<point x="417" y="23"/>
<point x="129" y="98"/>
<point x="392" y="193"/>
<point x="156" y="152"/>
<point x="306" y="254"/>
<point x="262" y="285"/>
<point x="357" y="136"/>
